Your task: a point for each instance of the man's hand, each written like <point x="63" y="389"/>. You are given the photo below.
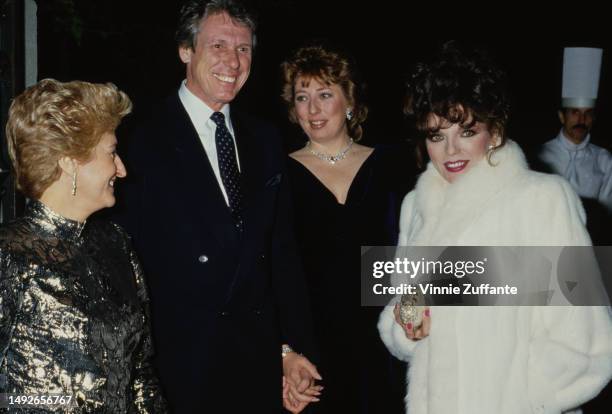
<point x="299" y="375"/>
<point x="294" y="405"/>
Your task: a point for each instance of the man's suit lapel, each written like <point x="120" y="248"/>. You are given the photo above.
<point x="197" y="175"/>
<point x="252" y="164"/>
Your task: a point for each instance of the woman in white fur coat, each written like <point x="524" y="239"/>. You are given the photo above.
<point x="477" y="190"/>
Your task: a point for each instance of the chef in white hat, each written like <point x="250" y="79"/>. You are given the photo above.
<point x="586" y="166"/>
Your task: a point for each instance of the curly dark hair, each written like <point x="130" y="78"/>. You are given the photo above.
<point x="459" y="84"/>
<point x="324" y="62"/>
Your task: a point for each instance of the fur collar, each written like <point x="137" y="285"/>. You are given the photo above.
<point x="443" y="206"/>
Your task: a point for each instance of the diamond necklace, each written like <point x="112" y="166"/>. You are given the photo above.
<point x="332" y="159"/>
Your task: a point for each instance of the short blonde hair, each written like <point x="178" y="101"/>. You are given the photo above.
<point x="329" y="67"/>
<point x="53" y="119"/>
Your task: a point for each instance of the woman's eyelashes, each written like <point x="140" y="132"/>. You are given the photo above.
<point x="435" y="137"/>
<point x="466" y="133"/>
<point x="322" y="95"/>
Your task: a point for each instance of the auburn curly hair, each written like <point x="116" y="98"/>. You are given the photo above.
<point x="331" y="68"/>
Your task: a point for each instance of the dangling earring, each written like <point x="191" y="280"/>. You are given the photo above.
<point x="349" y="114"/>
<point x="74" y="185"/>
<point x="490" y="151"/>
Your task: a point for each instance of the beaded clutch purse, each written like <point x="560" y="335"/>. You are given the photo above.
<point x="410" y="311"/>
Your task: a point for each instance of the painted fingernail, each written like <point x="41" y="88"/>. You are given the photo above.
<point x="408" y="326"/>
<point x="427" y="312"/>
<point x="316" y="399"/>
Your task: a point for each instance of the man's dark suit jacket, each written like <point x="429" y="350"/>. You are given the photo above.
<point x="222" y="303"/>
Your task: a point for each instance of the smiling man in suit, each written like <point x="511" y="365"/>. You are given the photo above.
<point x="207" y="207"/>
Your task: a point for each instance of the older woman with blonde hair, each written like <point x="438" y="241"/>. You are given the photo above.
<point x="73" y="304"/>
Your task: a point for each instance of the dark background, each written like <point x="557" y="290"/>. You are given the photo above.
<point x="130" y="43"/>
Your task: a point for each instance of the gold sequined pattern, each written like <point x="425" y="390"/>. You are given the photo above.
<point x="74" y="315"/>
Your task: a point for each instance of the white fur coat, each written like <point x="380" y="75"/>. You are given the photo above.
<point x="503" y="360"/>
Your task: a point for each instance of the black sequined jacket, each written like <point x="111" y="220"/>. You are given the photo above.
<point x="74" y="316"/>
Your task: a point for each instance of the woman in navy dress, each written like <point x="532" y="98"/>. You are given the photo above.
<point x="346" y="195"/>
